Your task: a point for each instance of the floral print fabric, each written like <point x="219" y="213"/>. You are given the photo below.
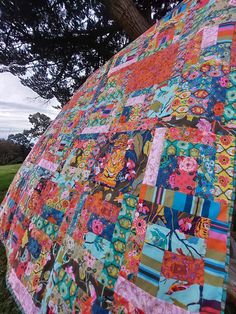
<point x="124" y="205"/>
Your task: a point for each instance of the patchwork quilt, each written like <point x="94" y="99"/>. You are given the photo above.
<point x="125" y="203"/>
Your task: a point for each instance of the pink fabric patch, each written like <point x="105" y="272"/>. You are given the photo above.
<point x="232" y="2"/>
<point x="96" y="129"/>
<point x="210" y="35"/>
<point x="46" y="164"/>
<point x="154" y="158"/>
<point x="22" y="294"/>
<point x="135" y="100"/>
<point x="143" y="300"/>
<point x="217" y="236"/>
<point x="121" y="66"/>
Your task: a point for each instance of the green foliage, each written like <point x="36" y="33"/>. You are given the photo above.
<point x="12" y="150"/>
<point x="7" y="302"/>
<point x="159" y="238"/>
<point x="20" y="139"/>
<point x="7" y="174"/>
<point x="40" y="123"/>
<point x="54" y="45"/>
<point x="17" y="146"/>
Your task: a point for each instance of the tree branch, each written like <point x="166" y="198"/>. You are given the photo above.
<point x="128" y="16"/>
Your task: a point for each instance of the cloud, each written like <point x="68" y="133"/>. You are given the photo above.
<point x="17" y="102"/>
<point x="12" y="107"/>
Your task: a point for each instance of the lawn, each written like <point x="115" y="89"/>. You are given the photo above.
<point x="7" y="173"/>
<point x="7" y="303"/>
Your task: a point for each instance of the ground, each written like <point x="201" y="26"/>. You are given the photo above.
<point x="7" y="173"/>
<point x="7" y="303"/>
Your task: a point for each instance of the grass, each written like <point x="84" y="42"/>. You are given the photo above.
<point x="7" y="303"/>
<point x="7" y="173"/>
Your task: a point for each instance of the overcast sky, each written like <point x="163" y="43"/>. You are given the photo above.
<point x="17" y="102"/>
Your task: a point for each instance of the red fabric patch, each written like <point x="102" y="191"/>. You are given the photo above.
<point x="152" y="70"/>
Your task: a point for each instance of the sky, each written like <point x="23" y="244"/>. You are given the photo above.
<point x="17" y="102"/>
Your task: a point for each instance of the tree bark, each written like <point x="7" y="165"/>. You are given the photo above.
<point x="128" y="17"/>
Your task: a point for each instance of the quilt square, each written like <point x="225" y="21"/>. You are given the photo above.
<point x="181" y="293"/>
<point x="150" y="67"/>
<point x="178" y="174"/>
<point x="180" y="165"/>
<point x="183" y="268"/>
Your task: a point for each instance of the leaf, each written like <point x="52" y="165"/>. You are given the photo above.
<point x="159" y="238"/>
<point x="154" y="233"/>
<point x="147" y="148"/>
<point x="160" y="234"/>
<point x="156" y="106"/>
<point x="25" y="239"/>
<point x="98" y="243"/>
<point x="82" y="273"/>
<point x="138" y="144"/>
<point x="190" y="118"/>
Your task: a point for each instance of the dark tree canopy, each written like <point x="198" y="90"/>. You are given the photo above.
<point x="20" y="139"/>
<point x="10" y="152"/>
<point x="53" y="45"/>
<point x="17" y="146"/>
<point x="40" y="123"/>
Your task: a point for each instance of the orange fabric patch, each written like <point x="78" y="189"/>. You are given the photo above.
<point x="221" y="245"/>
<point x="152" y="70"/>
<point x="183" y="268"/>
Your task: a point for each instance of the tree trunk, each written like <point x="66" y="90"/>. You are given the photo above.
<point x="128" y="17"/>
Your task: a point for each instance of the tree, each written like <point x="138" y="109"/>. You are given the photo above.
<point x="11" y="151"/>
<point x="40" y="123"/>
<point x="53" y="45"/>
<point x="135" y="17"/>
<point x="17" y="146"/>
<point x="128" y="16"/>
<point x="20" y="139"/>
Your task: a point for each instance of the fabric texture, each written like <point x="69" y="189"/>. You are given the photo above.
<point x="124" y="205"/>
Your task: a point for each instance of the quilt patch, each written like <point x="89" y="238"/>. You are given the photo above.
<point x="125" y="203"/>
